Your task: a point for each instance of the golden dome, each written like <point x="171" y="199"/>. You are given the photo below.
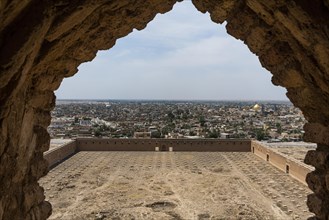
<point x="256" y="107"/>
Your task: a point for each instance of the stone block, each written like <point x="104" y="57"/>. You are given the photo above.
<point x="318" y="159"/>
<point x="316" y="182"/>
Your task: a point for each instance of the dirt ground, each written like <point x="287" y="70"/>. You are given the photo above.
<point x="172" y="185"/>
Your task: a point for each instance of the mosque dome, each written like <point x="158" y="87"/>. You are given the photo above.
<point x="256" y="107"/>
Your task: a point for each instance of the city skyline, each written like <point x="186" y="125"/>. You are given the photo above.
<point x="181" y="55"/>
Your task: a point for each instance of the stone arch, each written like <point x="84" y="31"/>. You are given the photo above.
<point x="41" y="42"/>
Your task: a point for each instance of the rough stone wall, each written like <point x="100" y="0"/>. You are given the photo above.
<point x="41" y="42"/>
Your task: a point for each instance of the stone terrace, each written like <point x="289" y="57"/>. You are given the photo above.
<point x="167" y="185"/>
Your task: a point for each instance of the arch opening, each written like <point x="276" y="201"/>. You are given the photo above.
<point x="162" y="147"/>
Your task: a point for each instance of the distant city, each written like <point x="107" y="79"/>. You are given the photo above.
<point x="273" y="121"/>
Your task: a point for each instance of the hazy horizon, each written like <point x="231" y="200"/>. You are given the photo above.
<point x="180" y="55"/>
<point x="142" y="99"/>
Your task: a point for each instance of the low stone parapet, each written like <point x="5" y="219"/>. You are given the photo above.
<point x="201" y="145"/>
<point x="59" y="154"/>
<point x="291" y="166"/>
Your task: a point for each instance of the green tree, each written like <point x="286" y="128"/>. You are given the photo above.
<point x="260" y="134"/>
<point x="192" y="133"/>
<point x="202" y="120"/>
<point x="155" y="134"/>
<point x="186" y="126"/>
<point x="97" y="132"/>
<point x="213" y="134"/>
<point x="278" y="127"/>
<point x="165" y="130"/>
<point x="170" y="116"/>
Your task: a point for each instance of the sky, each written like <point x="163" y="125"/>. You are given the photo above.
<point x="180" y="55"/>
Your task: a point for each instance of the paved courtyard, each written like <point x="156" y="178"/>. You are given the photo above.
<point x="172" y="185"/>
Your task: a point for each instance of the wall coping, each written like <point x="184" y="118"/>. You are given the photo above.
<point x="166" y="139"/>
<point x="285" y="156"/>
<point x="58" y="147"/>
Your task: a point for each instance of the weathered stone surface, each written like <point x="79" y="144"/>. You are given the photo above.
<point x="318" y="159"/>
<point x="41" y="42"/>
<point x="319" y="206"/>
<point x="318" y="181"/>
<point x="327" y="181"/>
<point x="316" y="132"/>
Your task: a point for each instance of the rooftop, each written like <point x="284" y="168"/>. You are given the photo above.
<point x="166" y="185"/>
